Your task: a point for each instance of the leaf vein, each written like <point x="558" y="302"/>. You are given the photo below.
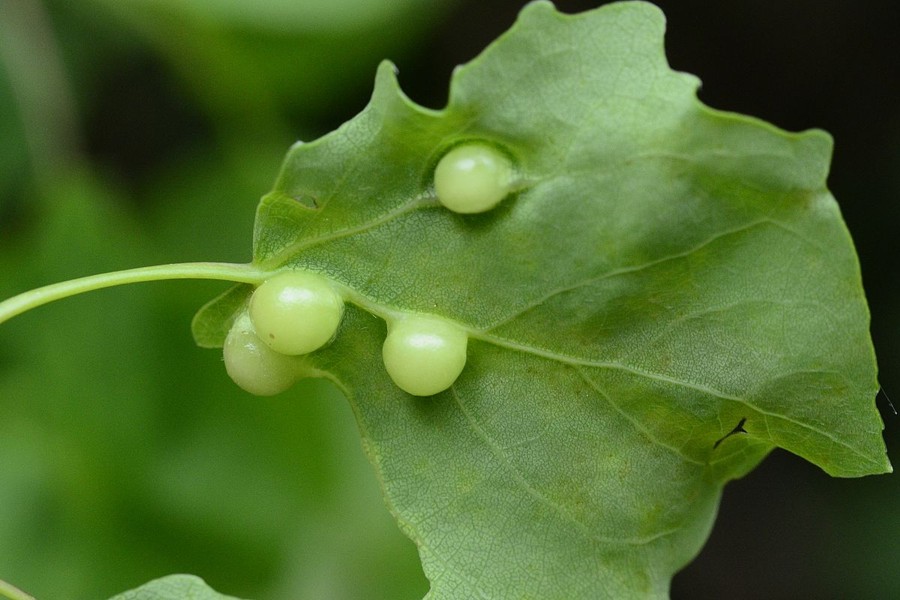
<point x="634" y="422"/>
<point x="497" y="451"/>
<point x="576" y="361"/>
<point x="625" y="271"/>
<point x="285" y="254"/>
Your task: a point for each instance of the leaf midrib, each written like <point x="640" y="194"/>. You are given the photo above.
<point x="427" y="199"/>
<point x="575" y="361"/>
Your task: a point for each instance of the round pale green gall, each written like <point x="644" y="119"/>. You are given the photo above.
<point x="296" y="312"/>
<point x="253" y="365"/>
<point x="472" y="178"/>
<point x="424" y="355"/>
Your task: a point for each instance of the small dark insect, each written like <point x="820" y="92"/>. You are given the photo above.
<point x="739" y="428"/>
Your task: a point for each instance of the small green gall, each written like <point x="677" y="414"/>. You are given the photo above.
<point x="472" y="178"/>
<point x="424" y="355"/>
<point x="296" y="312"/>
<point x="253" y="365"/>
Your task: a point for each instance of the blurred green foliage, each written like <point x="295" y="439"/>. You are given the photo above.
<point x="145" y="132"/>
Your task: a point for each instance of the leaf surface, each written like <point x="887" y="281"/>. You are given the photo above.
<point x="669" y="294"/>
<point x="173" y="587"/>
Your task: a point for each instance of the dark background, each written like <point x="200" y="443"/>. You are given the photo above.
<point x="149" y="138"/>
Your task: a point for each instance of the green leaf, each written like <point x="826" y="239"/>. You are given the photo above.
<point x="670" y="294"/>
<point x="212" y="322"/>
<point x="174" y="587"/>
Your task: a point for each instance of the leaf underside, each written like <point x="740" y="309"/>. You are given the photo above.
<point x="173" y="587"/>
<point x="669" y="294"/>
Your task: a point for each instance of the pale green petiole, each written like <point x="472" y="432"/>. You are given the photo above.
<point x="201" y="270"/>
<point x="12" y="592"/>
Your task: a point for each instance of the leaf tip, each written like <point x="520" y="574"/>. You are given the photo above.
<point x="386" y="78"/>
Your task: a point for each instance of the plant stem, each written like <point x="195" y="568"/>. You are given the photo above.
<point x="203" y="270"/>
<point x="12" y="592"/>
